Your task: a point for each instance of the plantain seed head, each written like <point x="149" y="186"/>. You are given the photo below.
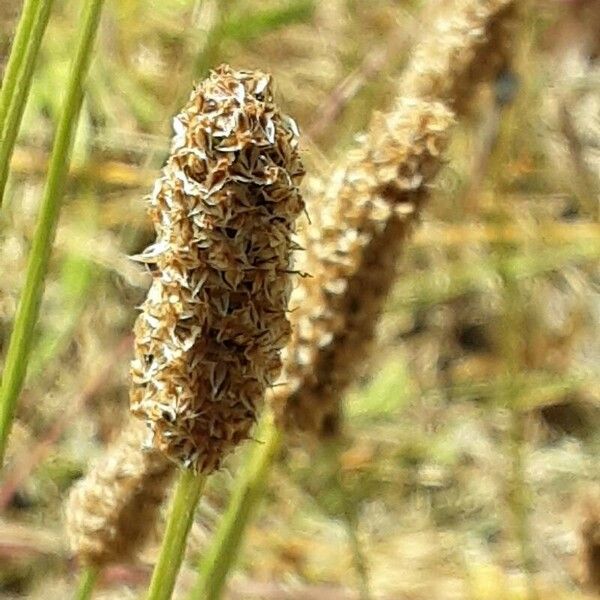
<point x="209" y="336"/>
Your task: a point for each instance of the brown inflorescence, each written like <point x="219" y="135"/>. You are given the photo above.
<point x="470" y="42"/>
<point x="209" y="336"/>
<point x="111" y="512"/>
<point x="360" y="218"/>
<point x="358" y="228"/>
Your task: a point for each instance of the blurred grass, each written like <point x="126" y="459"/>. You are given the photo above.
<point x="426" y="452"/>
<point x="240" y="26"/>
<point x="75" y="280"/>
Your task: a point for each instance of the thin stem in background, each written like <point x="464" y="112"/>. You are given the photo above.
<point x="181" y="516"/>
<point x="349" y="515"/>
<point x="519" y="499"/>
<point x="517" y="489"/>
<point x="19" y="346"/>
<point x="13" y="96"/>
<point x="221" y="555"/>
<point x="371" y="66"/>
<point x="512" y="340"/>
<point x="358" y="555"/>
<point x="87" y="583"/>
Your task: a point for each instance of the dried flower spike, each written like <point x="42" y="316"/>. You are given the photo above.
<point x="360" y="221"/>
<point x="111" y="512"/>
<point x="362" y="215"/>
<point x="209" y="336"/>
<point x="469" y="43"/>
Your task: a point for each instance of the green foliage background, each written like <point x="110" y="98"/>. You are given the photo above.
<point x="471" y="443"/>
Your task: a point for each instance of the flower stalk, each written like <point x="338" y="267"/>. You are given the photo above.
<point x="225" y="546"/>
<point x="181" y="516"/>
<point x="87" y="583"/>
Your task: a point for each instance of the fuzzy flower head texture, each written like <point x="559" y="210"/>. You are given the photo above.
<point x="111" y="511"/>
<point x="360" y="220"/>
<point x="470" y="42"/>
<point x="209" y="336"/>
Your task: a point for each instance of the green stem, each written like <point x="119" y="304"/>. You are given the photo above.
<point x="13" y="95"/>
<point x="181" y="515"/>
<point x="17" y="52"/>
<point x="224" y="549"/>
<point x="28" y="309"/>
<point x="88" y="580"/>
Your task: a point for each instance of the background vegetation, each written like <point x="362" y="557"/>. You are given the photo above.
<point x="470" y="463"/>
